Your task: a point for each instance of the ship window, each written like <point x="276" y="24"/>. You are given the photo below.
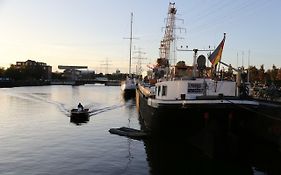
<point x="195" y="88"/>
<point x="159" y="89"/>
<point x="164" y="90"/>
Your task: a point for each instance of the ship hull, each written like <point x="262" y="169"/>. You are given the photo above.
<point x="157" y="115"/>
<point x="129" y="93"/>
<point x="128" y="89"/>
<point x="212" y="127"/>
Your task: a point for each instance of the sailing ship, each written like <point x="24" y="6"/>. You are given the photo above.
<point x="192" y="100"/>
<point x="128" y="87"/>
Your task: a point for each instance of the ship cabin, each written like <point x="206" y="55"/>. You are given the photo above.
<point x="194" y="89"/>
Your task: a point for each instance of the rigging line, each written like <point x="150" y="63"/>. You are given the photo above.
<point x="193" y="13"/>
<point x="230" y="20"/>
<point x="211" y="5"/>
<point x="229" y="15"/>
<point x="191" y="7"/>
<point x="213" y="10"/>
<point x="201" y="27"/>
<point x="208" y="13"/>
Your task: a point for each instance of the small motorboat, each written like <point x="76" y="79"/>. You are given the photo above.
<point x="79" y="119"/>
<point x="76" y="112"/>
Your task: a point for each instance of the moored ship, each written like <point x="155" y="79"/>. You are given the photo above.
<point x="128" y="87"/>
<point x="198" y="101"/>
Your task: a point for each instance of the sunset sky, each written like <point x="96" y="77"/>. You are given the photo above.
<point x="89" y="32"/>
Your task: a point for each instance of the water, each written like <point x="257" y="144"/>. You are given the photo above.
<point x="38" y="137"/>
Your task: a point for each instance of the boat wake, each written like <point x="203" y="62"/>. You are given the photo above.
<point x="43" y="98"/>
<point x="64" y="108"/>
<point x="105" y="109"/>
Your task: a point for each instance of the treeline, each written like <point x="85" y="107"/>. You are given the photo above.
<point x="266" y="77"/>
<point x="35" y="72"/>
<point x="257" y="75"/>
<point x="38" y="72"/>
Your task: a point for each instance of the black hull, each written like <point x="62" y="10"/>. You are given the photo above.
<point x="193" y="117"/>
<point x="211" y="128"/>
<point x="79" y="119"/>
<point x="129" y="93"/>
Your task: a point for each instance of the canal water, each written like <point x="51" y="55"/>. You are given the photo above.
<point x="37" y="136"/>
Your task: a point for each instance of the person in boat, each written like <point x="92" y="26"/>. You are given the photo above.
<point x="80" y="107"/>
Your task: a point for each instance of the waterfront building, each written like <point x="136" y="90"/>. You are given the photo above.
<point x="47" y="70"/>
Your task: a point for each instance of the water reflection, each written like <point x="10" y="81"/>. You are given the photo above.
<point x="35" y="131"/>
<point x="128" y="96"/>
<point x="177" y="156"/>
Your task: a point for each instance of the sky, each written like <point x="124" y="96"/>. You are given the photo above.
<point x="92" y="32"/>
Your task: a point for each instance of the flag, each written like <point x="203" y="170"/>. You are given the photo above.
<point x="215" y="57"/>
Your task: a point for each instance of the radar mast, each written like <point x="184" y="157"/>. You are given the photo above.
<point x="169" y="35"/>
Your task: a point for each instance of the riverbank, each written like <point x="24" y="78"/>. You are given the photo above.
<point x="10" y="83"/>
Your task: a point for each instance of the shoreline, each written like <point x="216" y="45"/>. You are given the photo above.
<point x="11" y="84"/>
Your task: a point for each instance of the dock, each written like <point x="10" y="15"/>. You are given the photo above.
<point x="129" y="132"/>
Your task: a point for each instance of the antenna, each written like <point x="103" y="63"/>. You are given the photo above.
<point x="242" y="58"/>
<point x="249" y="52"/>
<point x="169" y="32"/>
<point x="237" y="59"/>
<point x="169" y="36"/>
<point x="195" y="52"/>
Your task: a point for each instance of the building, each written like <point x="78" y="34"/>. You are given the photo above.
<point x="46" y="69"/>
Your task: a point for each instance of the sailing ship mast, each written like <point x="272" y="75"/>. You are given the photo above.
<point x="129" y="86"/>
<point x="131" y="38"/>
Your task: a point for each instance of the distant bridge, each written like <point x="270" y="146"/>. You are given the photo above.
<point x="72" y="67"/>
<point x="98" y="81"/>
<point x="72" y="72"/>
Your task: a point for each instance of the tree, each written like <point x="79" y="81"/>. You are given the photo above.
<point x="278" y="77"/>
<point x="267" y="78"/>
<point x="273" y="73"/>
<point x="2" y="71"/>
<point x="34" y="72"/>
<point x="14" y="73"/>
<point x="28" y="72"/>
<point x="254" y="74"/>
<point x="261" y="74"/>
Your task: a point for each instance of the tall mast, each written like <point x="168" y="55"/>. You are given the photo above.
<point x="131" y="38"/>
<point x="169" y="32"/>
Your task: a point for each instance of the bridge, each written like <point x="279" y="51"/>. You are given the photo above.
<point x="72" y="72"/>
<point x="98" y="81"/>
<point x="72" y="67"/>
